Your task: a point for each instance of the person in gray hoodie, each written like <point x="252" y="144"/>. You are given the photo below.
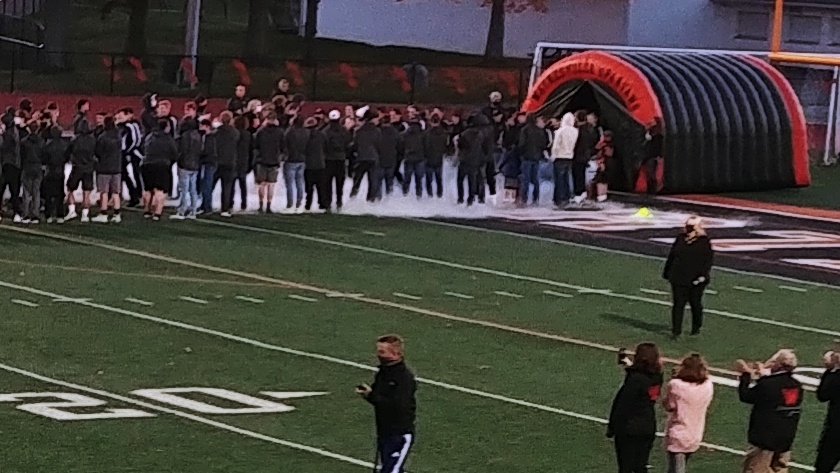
<point x="414" y="157"/>
<point x="297" y="138"/>
<point x="109" y="170"/>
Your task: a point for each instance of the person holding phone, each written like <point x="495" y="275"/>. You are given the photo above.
<point x="688" y="269"/>
<point x="393" y="398"/>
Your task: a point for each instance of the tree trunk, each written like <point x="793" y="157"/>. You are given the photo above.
<point x="496" y="34"/>
<point x="256" y="40"/>
<point x="58" y="15"/>
<point x="311" y="18"/>
<point x="135" y="42"/>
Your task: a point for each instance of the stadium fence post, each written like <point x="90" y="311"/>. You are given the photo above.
<point x="111" y="75"/>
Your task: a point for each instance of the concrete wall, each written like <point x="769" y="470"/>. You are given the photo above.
<point x="462" y="26"/>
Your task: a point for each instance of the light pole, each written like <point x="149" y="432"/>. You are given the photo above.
<point x="191" y="42"/>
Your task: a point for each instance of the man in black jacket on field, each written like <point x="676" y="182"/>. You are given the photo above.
<point x="393" y="398"/>
<point x="367" y="144"/>
<point x="828" y="453"/>
<point x="339" y="141"/>
<point x="777" y="405"/>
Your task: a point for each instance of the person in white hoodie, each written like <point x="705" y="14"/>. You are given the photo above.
<point x="562" y="152"/>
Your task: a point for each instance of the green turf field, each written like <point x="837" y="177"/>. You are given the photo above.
<point x="513" y="341"/>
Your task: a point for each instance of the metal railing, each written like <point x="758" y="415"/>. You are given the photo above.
<point x="24" y="70"/>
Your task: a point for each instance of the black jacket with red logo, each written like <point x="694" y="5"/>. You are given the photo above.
<point x="632" y="413"/>
<point x="777" y="405"/>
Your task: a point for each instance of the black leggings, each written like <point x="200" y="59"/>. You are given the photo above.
<point x="633" y="453"/>
<point x="828" y="453"/>
<point x="692" y="295"/>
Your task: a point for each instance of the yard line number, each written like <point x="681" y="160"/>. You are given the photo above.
<point x="64" y="406"/>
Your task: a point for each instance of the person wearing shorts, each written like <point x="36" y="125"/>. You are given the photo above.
<point x="270" y="146"/>
<point x="83" y="159"/>
<point x="161" y="152"/>
<point x="109" y="171"/>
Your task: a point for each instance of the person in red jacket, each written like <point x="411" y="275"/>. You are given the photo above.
<point x="632" y="418"/>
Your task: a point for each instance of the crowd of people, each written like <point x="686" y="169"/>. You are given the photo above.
<point x="775" y="394"/>
<point x="123" y="153"/>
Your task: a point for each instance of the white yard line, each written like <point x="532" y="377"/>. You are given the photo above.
<point x="549" y="292"/>
<point x="458" y="295"/>
<point x="139" y="302"/>
<point x="302" y="298"/>
<point x="193" y="300"/>
<point x="748" y="289"/>
<point x="608" y="250"/>
<point x="185" y="415"/>
<point x="24" y="303"/>
<point x="474" y="269"/>
<point x="793" y="289"/>
<point x="353" y="364"/>
<point x="377" y="234"/>
<point x="250" y="299"/>
<point x="403" y="295"/>
<point x="712" y="292"/>
<point x="654" y="291"/>
<point x="508" y="294"/>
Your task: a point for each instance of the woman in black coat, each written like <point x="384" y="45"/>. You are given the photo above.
<point x="688" y="270"/>
<point x="632" y="418"/>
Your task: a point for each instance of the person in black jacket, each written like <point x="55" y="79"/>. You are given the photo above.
<point x="297" y="137"/>
<point x="688" y="269"/>
<point x="472" y="147"/>
<point x="584" y="150"/>
<point x="54" y="159"/>
<point x="109" y="171"/>
<point x="828" y="452"/>
<point x="132" y="141"/>
<point x="339" y="142"/>
<point x="632" y="420"/>
<point x="533" y="141"/>
<point x="238" y="104"/>
<point x="776" y="398"/>
<point x="395" y="406"/>
<point x="161" y="152"/>
<point x="269" y="146"/>
<point x="32" y="173"/>
<point x="368" y="141"/>
<point x="435" y="143"/>
<point x="414" y="157"/>
<point x="244" y="159"/>
<point x="227" y="138"/>
<point x="314" y="174"/>
<point x="389" y="147"/>
<point x="83" y="160"/>
<point x="189" y="163"/>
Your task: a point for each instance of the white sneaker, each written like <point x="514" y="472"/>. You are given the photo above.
<point x="190" y="217"/>
<point x="59" y="221"/>
<point x="101" y="218"/>
<point x="602" y="198"/>
<point x="177" y="217"/>
<point x="70" y="215"/>
<point x="35" y="221"/>
<point x="116" y="219"/>
<point x="298" y="210"/>
<point x="17" y="219"/>
<point x="225" y="215"/>
<point x="85" y="219"/>
<point x="26" y="221"/>
<point x="50" y="220"/>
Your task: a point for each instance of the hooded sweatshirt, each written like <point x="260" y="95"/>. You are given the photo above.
<point x="565" y="138"/>
<point x="632" y="412"/>
<point x="296" y="140"/>
<point x="10" y="148"/>
<point x="82" y="150"/>
<point x="31" y="152"/>
<point x="435" y="142"/>
<point x="338" y="141"/>
<point x="687" y="404"/>
<point x="109" y="152"/>
<point x="54" y="156"/>
<point x="270" y="143"/>
<point x="160" y="149"/>
<point x="412" y="143"/>
<point x="189" y="147"/>
<point x="226" y="146"/>
<point x="368" y="142"/>
<point x="315" y="150"/>
<point x="533" y="140"/>
<point x="389" y="146"/>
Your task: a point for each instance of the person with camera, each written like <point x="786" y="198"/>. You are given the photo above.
<point x="776" y="398"/>
<point x="688" y="269"/>
<point x="828" y="452"/>
<point x="393" y="398"/>
<point x="687" y="399"/>
<point x="632" y="420"/>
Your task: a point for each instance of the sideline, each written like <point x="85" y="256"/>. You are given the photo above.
<point x="188" y="416"/>
<point x="327" y="358"/>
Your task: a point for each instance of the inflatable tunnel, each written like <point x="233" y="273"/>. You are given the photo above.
<point x="730" y="122"/>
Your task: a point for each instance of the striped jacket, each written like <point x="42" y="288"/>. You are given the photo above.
<point x="132" y="140"/>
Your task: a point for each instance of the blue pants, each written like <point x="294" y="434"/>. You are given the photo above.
<point x="530" y="175"/>
<point x="295" y="185"/>
<point x="393" y="452"/>
<point x="416" y="169"/>
<point x="189" y="194"/>
<point x="208" y="182"/>
<point x="562" y="181"/>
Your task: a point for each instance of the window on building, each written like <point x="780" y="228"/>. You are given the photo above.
<point x="835" y="31"/>
<point x="802" y="29"/>
<point x="752" y="25"/>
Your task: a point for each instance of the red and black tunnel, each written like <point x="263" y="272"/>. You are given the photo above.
<point x="731" y="122"/>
